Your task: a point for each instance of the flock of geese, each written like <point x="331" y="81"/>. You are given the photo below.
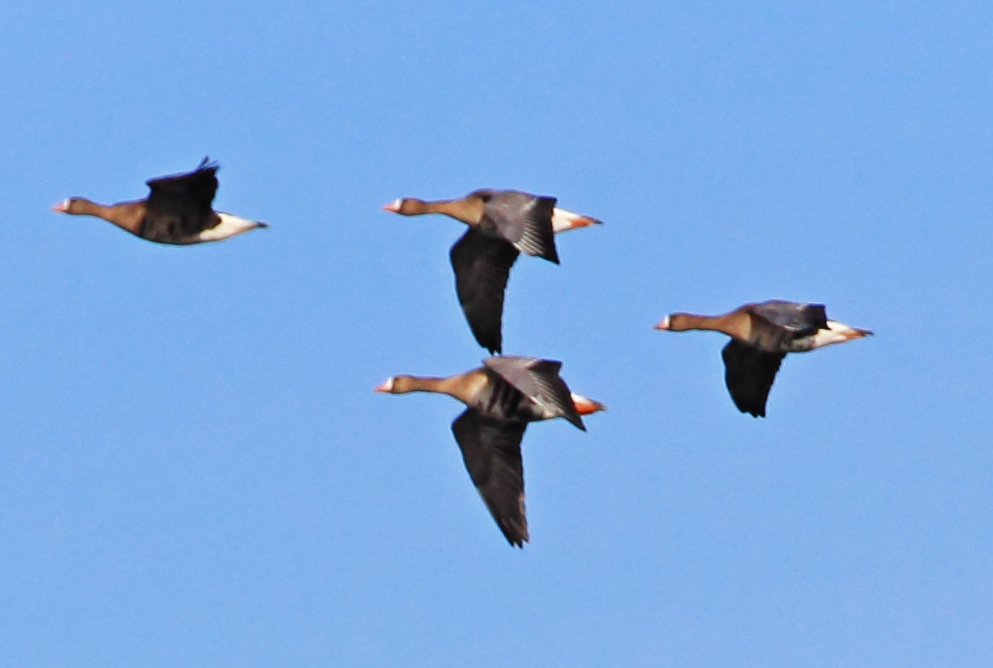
<point x="507" y="392"/>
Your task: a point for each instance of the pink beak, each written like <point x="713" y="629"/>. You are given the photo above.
<point x="385" y="386"/>
<point x="392" y="207"/>
<point x="61" y="207"/>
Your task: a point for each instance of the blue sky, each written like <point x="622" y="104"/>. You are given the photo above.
<point x="194" y="470"/>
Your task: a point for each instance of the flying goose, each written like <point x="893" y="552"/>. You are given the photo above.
<point x="761" y="335"/>
<point x="502" y="224"/>
<point x="177" y="210"/>
<point x="502" y="397"/>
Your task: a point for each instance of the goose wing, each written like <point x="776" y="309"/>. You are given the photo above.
<point x="482" y="266"/>
<point x="179" y="206"/>
<point x="522" y="219"/>
<point x="749" y="374"/>
<point x="491" y="450"/>
<point x="792" y="316"/>
<point x="540" y="382"/>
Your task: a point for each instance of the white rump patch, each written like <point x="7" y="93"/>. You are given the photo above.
<point x="563" y="220"/>
<point x="836" y="332"/>
<point x="583" y="404"/>
<point x="228" y="227"/>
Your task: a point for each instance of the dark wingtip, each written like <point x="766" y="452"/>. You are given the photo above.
<point x="207" y="164"/>
<point x="754" y="412"/>
<point x="551" y="253"/>
<point x="494" y="344"/>
<point x="514" y="536"/>
<point x="263" y="225"/>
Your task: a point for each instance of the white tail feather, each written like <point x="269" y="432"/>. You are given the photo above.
<point x="228" y="227"/>
<point x="837" y="332"/>
<point x="563" y="220"/>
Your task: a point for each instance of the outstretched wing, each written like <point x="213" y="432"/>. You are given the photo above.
<point x="540" y="382"/>
<point x="749" y="374"/>
<point x="482" y="266"/>
<point x="792" y="316"/>
<point x="522" y="219"/>
<point x="491" y="450"/>
<point x="179" y="206"/>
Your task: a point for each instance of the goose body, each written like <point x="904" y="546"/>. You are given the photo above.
<point x="502" y="225"/>
<point x="761" y="336"/>
<point x="178" y="210"/>
<point x="501" y="398"/>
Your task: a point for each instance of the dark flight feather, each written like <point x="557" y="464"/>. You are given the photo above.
<point x="749" y="374"/>
<point x="491" y="450"/>
<point x="522" y="219"/>
<point x="482" y="266"/>
<point x="792" y="316"/>
<point x="540" y="382"/>
<point x="179" y="207"/>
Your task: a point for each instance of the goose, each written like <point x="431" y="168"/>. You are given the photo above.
<point x="176" y="211"/>
<point x="502" y="224"/>
<point x="761" y="336"/>
<point x="502" y="397"/>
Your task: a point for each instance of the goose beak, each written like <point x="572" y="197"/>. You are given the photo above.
<point x="392" y="207"/>
<point x="664" y="325"/>
<point x="61" y="207"/>
<point x="385" y="386"/>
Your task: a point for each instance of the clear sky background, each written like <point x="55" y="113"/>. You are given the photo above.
<point x="194" y="470"/>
